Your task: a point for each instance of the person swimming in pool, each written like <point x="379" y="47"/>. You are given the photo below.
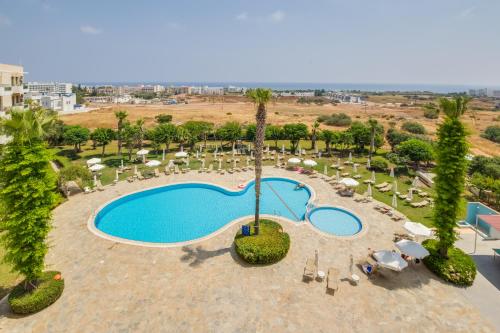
<point x="299" y="186"/>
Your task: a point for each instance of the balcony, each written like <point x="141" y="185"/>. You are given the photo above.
<point x="17" y="89"/>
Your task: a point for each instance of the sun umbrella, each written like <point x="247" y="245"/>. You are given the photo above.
<point x="234" y="163"/>
<point x="390" y="260"/>
<point x="394" y="201"/>
<point x="97" y="167"/>
<point x="391" y="174"/>
<point x="337" y="175"/>
<point x="395" y="186"/>
<point x="93" y="161"/>
<point x="121" y="164"/>
<point x="220" y="163"/>
<point x="181" y="154"/>
<point x="412" y="249"/>
<point x="338" y="161"/>
<point x="135" y="169"/>
<point x="203" y="163"/>
<point x="417" y="229"/>
<point x="316" y="258"/>
<point x="283" y="149"/>
<point x="355" y="168"/>
<point x="350" y="157"/>
<point x="294" y="160"/>
<point x="95" y="180"/>
<point x="373" y="177"/>
<point x="410" y="195"/>
<point x="369" y="190"/>
<point x="368" y="166"/>
<point x="248" y="161"/>
<point x="251" y="154"/>
<point x="414" y="183"/>
<point x="197" y="154"/>
<point x="187" y="161"/>
<point x="320" y="154"/>
<point x="325" y="170"/>
<point x="349" y="182"/>
<point x="163" y="155"/>
<point x="310" y="163"/>
<point x="153" y="163"/>
<point x="116" y="175"/>
<point x="143" y="153"/>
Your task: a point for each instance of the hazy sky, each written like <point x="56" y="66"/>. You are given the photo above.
<point x="369" y="41"/>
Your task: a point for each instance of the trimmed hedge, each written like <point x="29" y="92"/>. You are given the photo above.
<point x="269" y="247"/>
<point x="48" y="291"/>
<point x="458" y="269"/>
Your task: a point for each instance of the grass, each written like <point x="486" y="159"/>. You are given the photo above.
<point x="66" y="155"/>
<point x="7" y="279"/>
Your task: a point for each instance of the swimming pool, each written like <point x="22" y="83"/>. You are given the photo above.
<point x="335" y="221"/>
<point x="185" y="212"/>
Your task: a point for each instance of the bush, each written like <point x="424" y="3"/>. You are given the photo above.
<point x="431" y="113"/>
<point x="413" y="127"/>
<point x="492" y="133"/>
<point x="458" y="269"/>
<point x="378" y="163"/>
<point x="78" y="173"/>
<point x="48" y="291"/>
<point x="269" y="247"/>
<point x="336" y="119"/>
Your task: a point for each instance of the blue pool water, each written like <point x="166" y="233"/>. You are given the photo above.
<point x="183" y="212"/>
<point x="335" y="221"/>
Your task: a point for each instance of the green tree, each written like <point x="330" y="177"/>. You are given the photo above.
<point x="121" y="116"/>
<point x="156" y="137"/>
<point x="198" y="130"/>
<point x="230" y="131"/>
<point x="314" y="134"/>
<point x="328" y="136"/>
<point x="260" y="97"/>
<point x="76" y="136"/>
<point x="395" y="137"/>
<point x="103" y="136"/>
<point x="416" y="151"/>
<point x="168" y="133"/>
<point x="163" y="118"/>
<point x="450" y="171"/>
<point x="275" y="133"/>
<point x="182" y="136"/>
<point x="27" y="193"/>
<point x="492" y="133"/>
<point x="294" y="133"/>
<point x="250" y="132"/>
<point x="413" y="127"/>
<point x="54" y="134"/>
<point x="130" y="136"/>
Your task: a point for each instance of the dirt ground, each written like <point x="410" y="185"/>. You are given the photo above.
<point x="218" y="111"/>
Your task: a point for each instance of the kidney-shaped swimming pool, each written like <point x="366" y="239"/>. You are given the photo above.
<point x="185" y="212"/>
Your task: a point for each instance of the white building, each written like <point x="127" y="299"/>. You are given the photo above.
<point x="213" y="90"/>
<point x="495" y="93"/>
<point x="153" y="89"/>
<point x="11" y="86"/>
<point x="49" y="87"/>
<point x="59" y="102"/>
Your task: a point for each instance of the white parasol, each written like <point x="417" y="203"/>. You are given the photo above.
<point x="390" y="260"/>
<point x="97" y="167"/>
<point x="93" y="161"/>
<point x="181" y="154"/>
<point x="349" y="182"/>
<point x="412" y="249"/>
<point x="310" y="163"/>
<point x="394" y="201"/>
<point x="417" y="229"/>
<point x="153" y="163"/>
<point x="294" y="160"/>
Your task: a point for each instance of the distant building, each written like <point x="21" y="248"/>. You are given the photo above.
<point x="106" y="90"/>
<point x="495" y="93"/>
<point x="98" y="99"/>
<point x="236" y="90"/>
<point x="153" y="89"/>
<point x="59" y="102"/>
<point x="297" y="94"/>
<point x="11" y="86"/>
<point x="181" y="90"/>
<point x="213" y="91"/>
<point x="49" y="87"/>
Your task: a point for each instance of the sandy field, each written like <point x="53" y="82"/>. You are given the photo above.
<point x="221" y="110"/>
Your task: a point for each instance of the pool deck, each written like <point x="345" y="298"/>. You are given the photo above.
<point x="204" y="287"/>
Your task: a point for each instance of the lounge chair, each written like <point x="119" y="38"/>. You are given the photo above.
<point x="332" y="280"/>
<point x="157" y="172"/>
<point x="367" y="181"/>
<point x="140" y="176"/>
<point x="167" y="170"/>
<point x="88" y="190"/>
<point x="210" y="168"/>
<point x="403" y="196"/>
<point x="356" y="176"/>
<point x="422" y="203"/>
<point x="310" y="270"/>
<point x="99" y="185"/>
<point x="386" y="189"/>
<point x="382" y="185"/>
<point x="130" y="179"/>
<point x="176" y="169"/>
<point x="369" y="266"/>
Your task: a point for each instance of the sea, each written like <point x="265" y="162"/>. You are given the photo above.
<point x="288" y="86"/>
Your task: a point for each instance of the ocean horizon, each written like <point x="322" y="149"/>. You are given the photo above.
<point x="365" y="87"/>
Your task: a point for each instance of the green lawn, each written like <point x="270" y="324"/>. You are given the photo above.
<point x="65" y="155"/>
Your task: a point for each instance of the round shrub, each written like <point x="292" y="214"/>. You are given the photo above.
<point x="378" y="163"/>
<point x="336" y="119"/>
<point x="269" y="247"/>
<point x="458" y="269"/>
<point x="431" y="113"/>
<point x="413" y="127"/>
<point x="492" y="133"/>
<point x="47" y="292"/>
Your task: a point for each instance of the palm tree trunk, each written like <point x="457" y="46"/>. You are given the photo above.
<point x="103" y="147"/>
<point x="260" y="118"/>
<point x="372" y="142"/>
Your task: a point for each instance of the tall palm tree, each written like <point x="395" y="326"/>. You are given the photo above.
<point x="25" y="126"/>
<point x="260" y="97"/>
<point x="372" y="123"/>
<point x="314" y="134"/>
<point x="121" y="116"/>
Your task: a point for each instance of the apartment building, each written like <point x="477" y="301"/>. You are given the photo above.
<point x="49" y="87"/>
<point x="11" y="86"/>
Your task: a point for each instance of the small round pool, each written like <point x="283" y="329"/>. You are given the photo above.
<point x="335" y="221"/>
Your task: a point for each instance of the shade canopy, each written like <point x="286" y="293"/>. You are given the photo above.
<point x="294" y="160"/>
<point x="349" y="182"/>
<point x="417" y="229"/>
<point x="412" y="249"/>
<point x="390" y="260"/>
<point x="310" y="163"/>
<point x="181" y="154"/>
<point x="142" y="152"/>
<point x="97" y="167"/>
<point x="153" y="163"/>
<point x="93" y="161"/>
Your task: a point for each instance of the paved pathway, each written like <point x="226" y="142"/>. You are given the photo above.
<point x="114" y="287"/>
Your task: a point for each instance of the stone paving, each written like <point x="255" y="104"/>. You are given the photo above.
<point x="203" y="287"/>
